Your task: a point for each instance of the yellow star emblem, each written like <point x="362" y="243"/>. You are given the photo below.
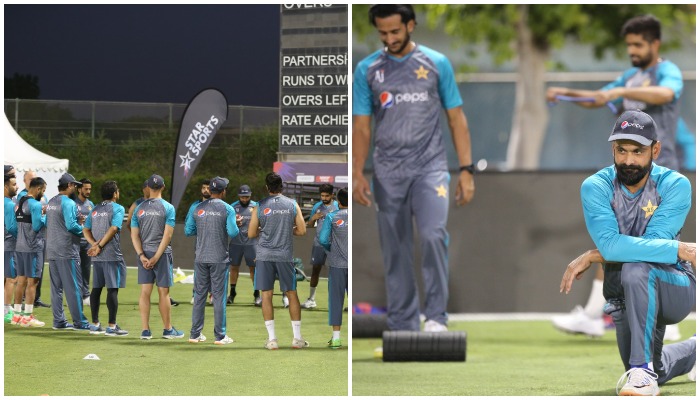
<point x="441" y="191"/>
<point x="649" y="210"/>
<point x="421" y="73"/>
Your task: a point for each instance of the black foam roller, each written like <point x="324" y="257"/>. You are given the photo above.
<point x="424" y="346"/>
<point x="368" y="325"/>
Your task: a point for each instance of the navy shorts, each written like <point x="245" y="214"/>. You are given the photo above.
<point x="266" y="271"/>
<point x="109" y="274"/>
<point x="236" y="252"/>
<point x="161" y="274"/>
<point x="29" y="264"/>
<point x="10" y="265"/>
<point x="318" y="255"/>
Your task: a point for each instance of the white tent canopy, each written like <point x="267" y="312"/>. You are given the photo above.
<point x="24" y="157"/>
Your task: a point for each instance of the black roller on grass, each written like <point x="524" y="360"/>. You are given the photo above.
<point x="368" y="325"/>
<point x="424" y="346"/>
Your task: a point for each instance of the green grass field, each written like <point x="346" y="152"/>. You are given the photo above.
<point x="510" y="358"/>
<point x="43" y="361"/>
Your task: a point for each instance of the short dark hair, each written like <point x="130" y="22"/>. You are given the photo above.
<point x="326" y="188"/>
<point x="108" y="190"/>
<point x="206" y="181"/>
<point x="386" y="10"/>
<point x="85" y="180"/>
<point x="37" y="182"/>
<point x="9" y="176"/>
<point x="646" y="25"/>
<point x="343" y="197"/>
<point x="274" y="183"/>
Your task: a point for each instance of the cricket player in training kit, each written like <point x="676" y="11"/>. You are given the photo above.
<point x="278" y="219"/>
<point x="654" y="85"/>
<point x="334" y="238"/>
<point x="63" y="232"/>
<point x="152" y="228"/>
<point x="406" y="86"/>
<point x="206" y="195"/>
<point x="213" y="222"/>
<point x="85" y="206"/>
<point x="242" y="246"/>
<point x="634" y="211"/>
<point x="318" y="253"/>
<point x="10" y="227"/>
<point x="102" y="231"/>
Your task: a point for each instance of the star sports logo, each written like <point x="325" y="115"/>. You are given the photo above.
<point x="340" y="223"/>
<point x="186" y="161"/>
<point x="267" y="211"/>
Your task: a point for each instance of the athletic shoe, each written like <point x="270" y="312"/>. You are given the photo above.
<point x="78" y="327"/>
<point x="258" y="302"/>
<point x="146" y="334"/>
<point x="86" y="302"/>
<point x="174" y="303"/>
<point x="299" y="343"/>
<point x="39" y="303"/>
<point x="96" y="329"/>
<point x="334" y="343"/>
<point x="309" y="303"/>
<point x="198" y="339"/>
<point x="224" y="340"/>
<point x="172" y="333"/>
<point x="8" y="316"/>
<point x="579" y="322"/>
<point x="640" y="382"/>
<point x="16" y="318"/>
<point x="211" y="299"/>
<point x="434" y="326"/>
<point x="192" y="300"/>
<point x="64" y="327"/>
<point x="271" y="344"/>
<point x="30" y="321"/>
<point x="672" y="333"/>
<point x="378" y="352"/>
<point x="285" y="301"/>
<point x="691" y="374"/>
<point x="116" y="331"/>
<point x="229" y="299"/>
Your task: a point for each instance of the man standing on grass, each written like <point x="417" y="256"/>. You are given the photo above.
<point x="241" y="246"/>
<point x="102" y="232"/>
<point x="85" y="206"/>
<point x="213" y="222"/>
<point x="152" y="228"/>
<point x="334" y="238"/>
<point x="206" y="195"/>
<point x="10" y="227"/>
<point x="318" y="253"/>
<point x="63" y="230"/>
<point x="634" y="211"/>
<point x="278" y="219"/>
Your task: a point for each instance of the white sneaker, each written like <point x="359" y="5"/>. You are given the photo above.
<point x="299" y="343"/>
<point x="691" y="374"/>
<point x="640" y="382"/>
<point x="224" y="340"/>
<point x="192" y="300"/>
<point x="86" y="302"/>
<point x="434" y="326"/>
<point x="379" y="352"/>
<point x="577" y="321"/>
<point x="672" y="333"/>
<point x="285" y="301"/>
<point x="258" y="302"/>
<point x="198" y="339"/>
<point x="309" y="303"/>
<point x="271" y="344"/>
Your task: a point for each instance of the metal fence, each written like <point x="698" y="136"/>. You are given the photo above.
<point x="52" y="120"/>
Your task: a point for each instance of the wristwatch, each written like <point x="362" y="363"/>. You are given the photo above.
<point x="469" y="168"/>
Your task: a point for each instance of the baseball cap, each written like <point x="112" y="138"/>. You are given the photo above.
<point x="156" y="182"/>
<point x="244" y="190"/>
<point x="8" y="168"/>
<point x="218" y="184"/>
<point x="66" y="179"/>
<point x="634" y="125"/>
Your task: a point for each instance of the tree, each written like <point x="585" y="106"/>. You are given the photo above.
<point x="528" y="33"/>
<point x="22" y="87"/>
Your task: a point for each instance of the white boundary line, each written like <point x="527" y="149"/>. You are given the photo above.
<point x="474" y="317"/>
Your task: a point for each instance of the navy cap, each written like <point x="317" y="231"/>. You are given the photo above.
<point x="244" y="190"/>
<point x="66" y="179"/>
<point x="156" y="182"/>
<point x="218" y="184"/>
<point x="634" y="125"/>
<point x="8" y="168"/>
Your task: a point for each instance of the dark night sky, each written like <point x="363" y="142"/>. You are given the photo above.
<point x="151" y="53"/>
